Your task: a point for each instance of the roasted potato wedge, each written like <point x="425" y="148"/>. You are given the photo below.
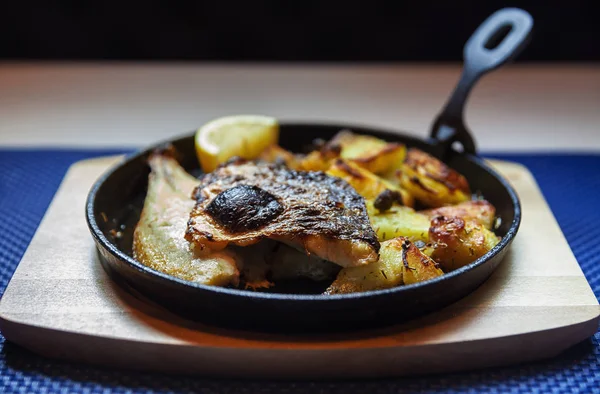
<point x="417" y="266"/>
<point x="478" y="211"/>
<point x="400" y="263"/>
<point x="368" y="152"/>
<point x="432" y="182"/>
<point x="367" y="184"/>
<point x="399" y="221"/>
<point x="317" y="160"/>
<point x="320" y="160"/>
<point x="276" y="154"/>
<point x="458" y="242"/>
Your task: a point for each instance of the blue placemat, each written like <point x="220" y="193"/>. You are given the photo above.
<point x="571" y="184"/>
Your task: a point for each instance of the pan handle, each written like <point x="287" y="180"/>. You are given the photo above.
<point x="499" y="39"/>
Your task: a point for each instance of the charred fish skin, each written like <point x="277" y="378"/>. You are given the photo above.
<point x="313" y="211"/>
<point x="243" y="208"/>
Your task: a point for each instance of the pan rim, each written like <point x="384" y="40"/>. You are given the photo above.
<point x="101" y="239"/>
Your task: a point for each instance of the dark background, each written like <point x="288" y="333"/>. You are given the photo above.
<point x="432" y="31"/>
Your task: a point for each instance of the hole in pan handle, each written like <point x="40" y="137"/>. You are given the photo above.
<point x="498" y="40"/>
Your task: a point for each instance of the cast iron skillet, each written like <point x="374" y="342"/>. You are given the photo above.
<point x="119" y="194"/>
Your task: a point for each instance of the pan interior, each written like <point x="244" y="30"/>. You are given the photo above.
<point x="120" y="197"/>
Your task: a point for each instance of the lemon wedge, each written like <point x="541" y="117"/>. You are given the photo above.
<point x="245" y="136"/>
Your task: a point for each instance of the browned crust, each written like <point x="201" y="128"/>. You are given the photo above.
<point x="416" y="181"/>
<point x="480" y="211"/>
<point x="409" y="249"/>
<point x="331" y="150"/>
<point x="388" y="148"/>
<point x="431" y="167"/>
<point x="445" y="229"/>
<point x="348" y="169"/>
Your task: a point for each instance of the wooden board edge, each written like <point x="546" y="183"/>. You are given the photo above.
<point x="300" y="364"/>
<point x="102" y="159"/>
<point x="68" y="173"/>
<point x="122" y="353"/>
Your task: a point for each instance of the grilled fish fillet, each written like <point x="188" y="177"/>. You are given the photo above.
<point x="243" y="202"/>
<point x="158" y="240"/>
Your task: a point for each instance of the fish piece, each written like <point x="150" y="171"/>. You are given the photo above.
<point x="242" y="202"/>
<point x="158" y="240"/>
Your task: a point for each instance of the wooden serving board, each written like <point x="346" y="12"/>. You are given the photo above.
<point x="60" y="303"/>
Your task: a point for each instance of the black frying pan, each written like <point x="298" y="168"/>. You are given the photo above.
<point x="119" y="194"/>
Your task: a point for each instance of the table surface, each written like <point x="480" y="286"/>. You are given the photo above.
<point x="517" y="108"/>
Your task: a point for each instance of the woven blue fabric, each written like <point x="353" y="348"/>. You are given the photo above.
<point x="571" y="184"/>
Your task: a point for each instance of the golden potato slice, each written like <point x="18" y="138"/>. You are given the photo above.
<point x="437" y="170"/>
<point x="399" y="221"/>
<point x="275" y="153"/>
<point x="393" y="175"/>
<point x="417" y="266"/>
<point x="480" y="211"/>
<point x="400" y="262"/>
<point x="432" y="182"/>
<point x="367" y="184"/>
<point x="425" y="248"/>
<point x="371" y="153"/>
<point x="319" y="160"/>
<point x="458" y="243"/>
